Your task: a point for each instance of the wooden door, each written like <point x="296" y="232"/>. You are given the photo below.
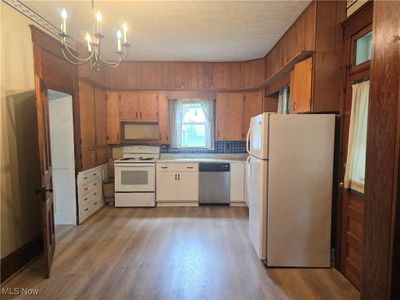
<point x="87" y="115"/>
<point x="229" y="112"/>
<point x="100" y="117"/>
<point x="148" y="107"/>
<point x="351" y="203"/>
<point x="129" y="106"/>
<point x="252" y="106"/>
<point x="113" y="121"/>
<point x="46" y="191"/>
<point x="163" y="118"/>
<point x="300" y="87"/>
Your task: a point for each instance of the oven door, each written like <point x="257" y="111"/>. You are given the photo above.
<point x="134" y="177"/>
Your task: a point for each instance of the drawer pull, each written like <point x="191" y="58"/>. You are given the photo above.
<point x="95" y="203"/>
<point x="85" y="199"/>
<point x="189" y="167"/>
<point x="86" y="209"/>
<point x="164" y="167"/>
<point x="85" y="177"/>
<point x="95" y="183"/>
<point x="94" y="174"/>
<point x="86" y="188"/>
<point x="94" y="194"/>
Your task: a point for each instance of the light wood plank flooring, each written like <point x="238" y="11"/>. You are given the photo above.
<point x="171" y="253"/>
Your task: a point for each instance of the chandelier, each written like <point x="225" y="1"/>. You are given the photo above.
<point x="93" y="44"/>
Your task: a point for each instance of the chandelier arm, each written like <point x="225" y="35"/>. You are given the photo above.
<point x="114" y="64"/>
<point x="75" y="57"/>
<point x="71" y="61"/>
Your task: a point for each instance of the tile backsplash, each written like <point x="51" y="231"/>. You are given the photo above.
<point x="220" y="147"/>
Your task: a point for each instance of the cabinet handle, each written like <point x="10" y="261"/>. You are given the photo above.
<point x="86" y="209"/>
<point x="85" y="199"/>
<point x="164" y="167"/>
<point x="179" y="176"/>
<point x="175" y="177"/>
<point x="85" y="177"/>
<point x="85" y="189"/>
<point x="94" y="174"/>
<point x="140" y="114"/>
<point x="94" y="194"/>
<point x="189" y="167"/>
<point x="95" y="203"/>
<point x="136" y="115"/>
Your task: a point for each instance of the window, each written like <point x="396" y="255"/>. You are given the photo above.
<point x="192" y="124"/>
<point x="363" y="48"/>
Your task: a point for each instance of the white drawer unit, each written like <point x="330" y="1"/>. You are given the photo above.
<point x="237" y="184"/>
<point x="90" y="193"/>
<point x="177" y="184"/>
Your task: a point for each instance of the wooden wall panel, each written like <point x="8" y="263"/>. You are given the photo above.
<point x="133" y="75"/>
<point x="383" y="150"/>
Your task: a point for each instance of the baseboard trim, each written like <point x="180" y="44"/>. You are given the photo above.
<point x="20" y="257"/>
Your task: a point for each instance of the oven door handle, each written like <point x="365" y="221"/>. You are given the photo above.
<point x="134" y="165"/>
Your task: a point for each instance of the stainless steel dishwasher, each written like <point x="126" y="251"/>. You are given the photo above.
<point x="214" y="183"/>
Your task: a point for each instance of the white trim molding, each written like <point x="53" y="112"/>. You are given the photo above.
<point x="38" y="19"/>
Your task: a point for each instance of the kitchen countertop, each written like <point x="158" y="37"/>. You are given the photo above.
<point x="198" y="160"/>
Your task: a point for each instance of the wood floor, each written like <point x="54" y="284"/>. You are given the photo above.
<point x="171" y="253"/>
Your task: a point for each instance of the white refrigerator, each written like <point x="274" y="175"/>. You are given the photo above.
<point x="289" y="188"/>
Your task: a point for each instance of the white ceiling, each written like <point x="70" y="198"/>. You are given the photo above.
<point x="182" y="30"/>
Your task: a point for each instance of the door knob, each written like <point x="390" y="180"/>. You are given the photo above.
<point x="341" y="184"/>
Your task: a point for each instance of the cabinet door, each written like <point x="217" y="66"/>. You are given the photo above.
<point x="129" y="106"/>
<point x="102" y="155"/>
<point x="177" y="186"/>
<point x="163" y="118"/>
<point x="87" y="114"/>
<point x="113" y="123"/>
<point x="148" y="107"/>
<point x="100" y="116"/>
<point x="300" y="86"/>
<point x="229" y="112"/>
<point x="188" y="186"/>
<point x="88" y="158"/>
<point x="167" y="186"/>
<point x="237" y="181"/>
<point x="252" y="106"/>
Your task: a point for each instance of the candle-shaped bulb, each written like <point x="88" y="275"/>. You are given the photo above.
<point x="125" y="29"/>
<point x="64" y="17"/>
<point x="64" y="14"/>
<point x="99" y="16"/>
<point x="99" y="19"/>
<point x="89" y="40"/>
<point x="119" y="40"/>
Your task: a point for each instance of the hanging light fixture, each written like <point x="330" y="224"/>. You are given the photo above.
<point x="93" y="46"/>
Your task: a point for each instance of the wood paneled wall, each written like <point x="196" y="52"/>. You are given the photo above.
<point x="383" y="150"/>
<point x="299" y="37"/>
<point x="187" y="75"/>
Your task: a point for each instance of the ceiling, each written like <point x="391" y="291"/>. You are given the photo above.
<point x="181" y="30"/>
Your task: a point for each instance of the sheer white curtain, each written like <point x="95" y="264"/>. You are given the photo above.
<point x="208" y="109"/>
<point x="175" y="122"/>
<point x="283" y="100"/>
<point x="357" y="143"/>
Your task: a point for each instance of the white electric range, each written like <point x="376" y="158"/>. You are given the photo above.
<point x="135" y="176"/>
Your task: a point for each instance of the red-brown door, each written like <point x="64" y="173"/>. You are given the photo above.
<point x="46" y="190"/>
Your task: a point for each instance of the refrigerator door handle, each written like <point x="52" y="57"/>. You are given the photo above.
<point x="248" y="170"/>
<point x="248" y="141"/>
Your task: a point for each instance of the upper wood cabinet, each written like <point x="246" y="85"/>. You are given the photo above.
<point x="87" y="115"/>
<point x="113" y="123"/>
<point x="252" y="106"/>
<point x="300" y="87"/>
<point x="229" y="116"/>
<point x="138" y="106"/>
<point x="100" y="116"/>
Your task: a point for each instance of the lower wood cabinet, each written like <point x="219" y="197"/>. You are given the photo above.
<point x="237" y="182"/>
<point x="177" y="183"/>
<point x="90" y="193"/>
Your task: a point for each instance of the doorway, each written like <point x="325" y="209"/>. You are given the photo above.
<point x="62" y="157"/>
